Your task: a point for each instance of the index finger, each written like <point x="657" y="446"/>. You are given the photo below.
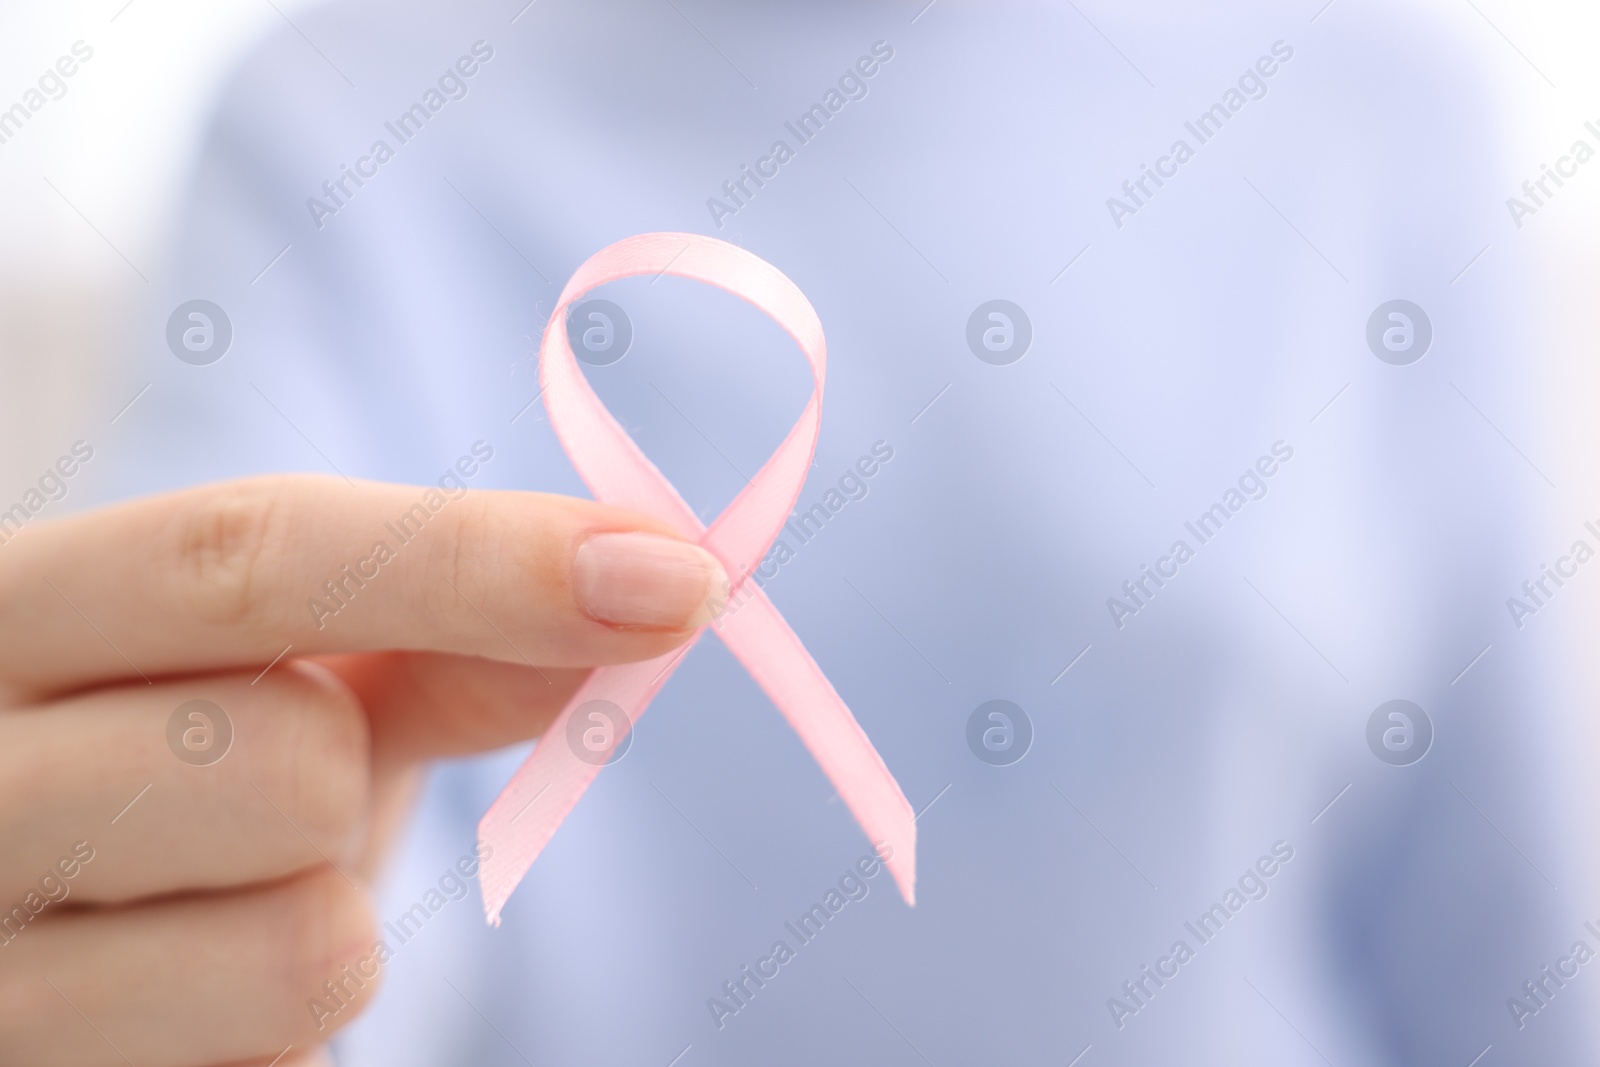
<point x="241" y="573"/>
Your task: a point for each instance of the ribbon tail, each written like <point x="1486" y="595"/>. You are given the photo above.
<point x="527" y="813"/>
<point x="756" y="633"/>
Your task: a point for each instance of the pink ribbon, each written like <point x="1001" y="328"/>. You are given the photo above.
<point x="547" y="786"/>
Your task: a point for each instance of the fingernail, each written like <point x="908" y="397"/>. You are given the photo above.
<point x="640" y="579"/>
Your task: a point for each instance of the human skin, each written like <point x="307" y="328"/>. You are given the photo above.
<point x="218" y="903"/>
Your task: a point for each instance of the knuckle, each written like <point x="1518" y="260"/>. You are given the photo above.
<point x="318" y="761"/>
<point x="459" y="559"/>
<point x="220" y="540"/>
<point x="498" y="568"/>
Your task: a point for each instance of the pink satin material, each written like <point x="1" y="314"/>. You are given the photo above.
<point x="546" y="787"/>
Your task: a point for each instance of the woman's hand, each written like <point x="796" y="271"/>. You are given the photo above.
<point x="165" y="907"/>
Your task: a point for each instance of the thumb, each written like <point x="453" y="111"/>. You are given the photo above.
<point x="430" y="705"/>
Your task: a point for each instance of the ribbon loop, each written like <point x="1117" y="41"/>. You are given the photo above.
<point x="547" y="786"/>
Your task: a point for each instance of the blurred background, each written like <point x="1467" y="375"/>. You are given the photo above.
<point x="91" y="184"/>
